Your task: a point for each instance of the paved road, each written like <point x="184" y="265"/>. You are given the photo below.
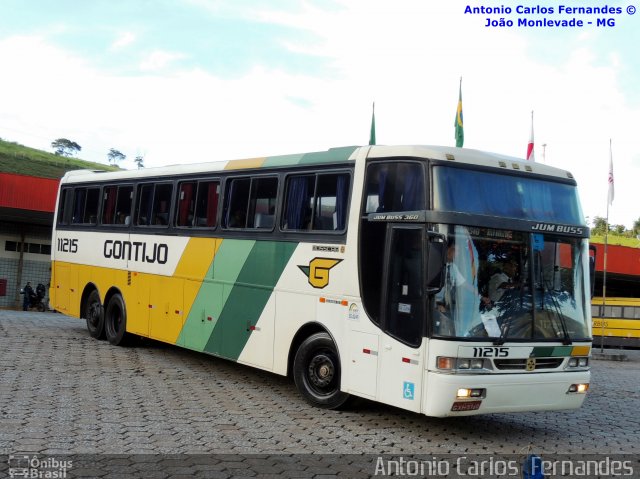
<point x="62" y="392"/>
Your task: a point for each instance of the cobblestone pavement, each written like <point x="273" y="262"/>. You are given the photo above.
<point x="64" y="393"/>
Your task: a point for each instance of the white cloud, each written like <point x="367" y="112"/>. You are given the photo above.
<point x="124" y="40"/>
<point x="159" y="60"/>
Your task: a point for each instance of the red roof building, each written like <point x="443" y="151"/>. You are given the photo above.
<point x="27" y="199"/>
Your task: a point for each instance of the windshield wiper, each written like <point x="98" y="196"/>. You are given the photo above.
<point x="504" y="333"/>
<point x="506" y="325"/>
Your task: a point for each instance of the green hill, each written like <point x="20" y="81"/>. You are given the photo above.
<point x="616" y="240"/>
<point x="22" y="160"/>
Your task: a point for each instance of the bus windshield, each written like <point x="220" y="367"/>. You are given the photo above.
<point x="479" y="192"/>
<point x="507" y="285"/>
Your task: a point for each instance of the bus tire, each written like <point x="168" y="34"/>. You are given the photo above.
<point x="115" y="321"/>
<point x="93" y="312"/>
<point x="316" y="372"/>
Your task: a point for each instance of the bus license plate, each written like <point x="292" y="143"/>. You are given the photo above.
<point x="466" y="406"/>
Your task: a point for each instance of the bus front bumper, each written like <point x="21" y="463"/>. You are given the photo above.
<point x="502" y="392"/>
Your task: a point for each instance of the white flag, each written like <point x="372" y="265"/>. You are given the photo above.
<point x="610" y="174"/>
<point x="530" y="153"/>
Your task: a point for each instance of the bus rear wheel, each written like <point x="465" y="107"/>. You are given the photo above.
<point x="316" y="372"/>
<point x="115" y="321"/>
<point x="94" y="314"/>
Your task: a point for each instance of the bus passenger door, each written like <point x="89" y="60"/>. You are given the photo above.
<point x="403" y="309"/>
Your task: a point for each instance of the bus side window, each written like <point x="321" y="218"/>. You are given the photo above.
<point x="91" y="206"/>
<point x="123" y="204"/>
<point x="207" y="204"/>
<point x="162" y="203"/>
<point x="64" y="208"/>
<point x="332" y="196"/>
<point x="298" y="202"/>
<point x="237" y="203"/>
<point x="109" y="204"/>
<point x="263" y="200"/>
<point x="185" y="205"/>
<point x="79" y="197"/>
<point x="143" y="210"/>
<point x="316" y="202"/>
<point x="394" y="186"/>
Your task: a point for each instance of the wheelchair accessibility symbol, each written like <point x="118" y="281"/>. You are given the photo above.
<point x="408" y="390"/>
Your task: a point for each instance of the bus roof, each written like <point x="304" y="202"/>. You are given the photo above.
<point x="333" y="155"/>
<point x="468" y="156"/>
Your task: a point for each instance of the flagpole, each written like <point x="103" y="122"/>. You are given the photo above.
<point x="606" y="244"/>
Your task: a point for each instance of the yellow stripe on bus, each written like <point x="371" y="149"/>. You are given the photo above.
<point x="580" y="351"/>
<point x="244" y="164"/>
<point x="625" y="328"/>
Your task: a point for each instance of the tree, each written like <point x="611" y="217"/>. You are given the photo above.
<point x="64" y="147"/>
<point x="620" y="229"/>
<point x="139" y="161"/>
<point x="114" y="156"/>
<point x="599" y="225"/>
<point x="636" y="227"/>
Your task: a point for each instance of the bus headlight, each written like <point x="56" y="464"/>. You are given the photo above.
<point x="578" y="388"/>
<point x="477" y="363"/>
<point x="461" y="364"/>
<point x="464" y="393"/>
<point x="578" y="362"/>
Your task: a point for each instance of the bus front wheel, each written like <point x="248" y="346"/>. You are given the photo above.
<point x="316" y="372"/>
<point x="115" y="321"/>
<point x="94" y="314"/>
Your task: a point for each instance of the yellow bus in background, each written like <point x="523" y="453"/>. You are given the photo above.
<point x="616" y="322"/>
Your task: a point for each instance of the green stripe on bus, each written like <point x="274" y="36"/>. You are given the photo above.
<point x="330" y="156"/>
<point x="284" y="160"/>
<point x="551" y="351"/>
<point x="334" y="155"/>
<point x="247" y="298"/>
<point x="213" y="293"/>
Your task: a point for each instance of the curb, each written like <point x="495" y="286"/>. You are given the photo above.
<point x="610" y="356"/>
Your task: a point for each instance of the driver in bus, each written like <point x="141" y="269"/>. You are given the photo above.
<point x="502" y="281"/>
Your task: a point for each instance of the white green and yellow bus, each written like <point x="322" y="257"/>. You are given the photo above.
<point x="427" y="278"/>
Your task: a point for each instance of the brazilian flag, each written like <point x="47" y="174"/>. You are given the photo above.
<point x="459" y="135"/>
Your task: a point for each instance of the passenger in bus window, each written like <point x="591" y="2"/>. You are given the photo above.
<point x="162" y="217"/>
<point x="238" y="219"/>
<point x="502" y="281"/>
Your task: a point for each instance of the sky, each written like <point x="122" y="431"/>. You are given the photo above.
<point x="185" y="81"/>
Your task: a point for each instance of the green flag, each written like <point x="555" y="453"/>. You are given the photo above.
<point x="372" y="135"/>
<point x="459" y="136"/>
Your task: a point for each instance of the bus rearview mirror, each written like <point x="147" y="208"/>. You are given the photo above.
<point x="436" y="260"/>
